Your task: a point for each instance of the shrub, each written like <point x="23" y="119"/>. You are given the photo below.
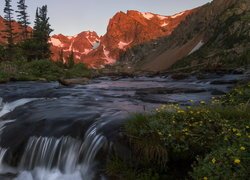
<point x="214" y="137"/>
<point x="77" y="70"/>
<point x="228" y="162"/>
<point x="43" y="69"/>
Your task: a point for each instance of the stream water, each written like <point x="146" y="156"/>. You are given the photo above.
<point x="52" y="132"/>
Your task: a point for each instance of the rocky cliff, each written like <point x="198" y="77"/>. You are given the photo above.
<point x="125" y="30"/>
<point x="219" y="27"/>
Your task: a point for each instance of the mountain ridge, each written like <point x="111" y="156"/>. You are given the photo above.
<point x="124" y="31"/>
<point x="197" y="30"/>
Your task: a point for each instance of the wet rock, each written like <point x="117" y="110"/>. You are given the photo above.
<point x="68" y="82"/>
<point x="217" y="92"/>
<point x="220" y="82"/>
<point x="202" y="76"/>
<point x="164" y="90"/>
<point x="180" y="76"/>
<point x="238" y="71"/>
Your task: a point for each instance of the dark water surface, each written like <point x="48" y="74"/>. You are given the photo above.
<point x="50" y="132"/>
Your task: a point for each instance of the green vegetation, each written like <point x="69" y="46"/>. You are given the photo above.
<point x="227" y="48"/>
<point x="205" y="141"/>
<point x="26" y="58"/>
<point x="45" y="70"/>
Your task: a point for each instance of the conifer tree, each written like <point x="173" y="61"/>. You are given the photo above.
<point x="71" y="61"/>
<point x="8" y="15"/>
<point x="61" y="56"/>
<point x="41" y="33"/>
<point x="22" y="17"/>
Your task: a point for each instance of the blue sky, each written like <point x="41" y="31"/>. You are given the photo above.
<point x="70" y="17"/>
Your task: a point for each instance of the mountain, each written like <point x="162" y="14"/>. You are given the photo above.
<point x="17" y="29"/>
<point x="217" y="33"/>
<point x="125" y="30"/>
<point x="81" y="45"/>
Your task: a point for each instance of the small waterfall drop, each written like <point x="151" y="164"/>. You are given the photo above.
<point x="50" y="152"/>
<point x="4" y="168"/>
<point x="93" y="142"/>
<point x="2" y="154"/>
<point x="65" y="158"/>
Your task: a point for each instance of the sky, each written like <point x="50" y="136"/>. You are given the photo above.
<point x="71" y="17"/>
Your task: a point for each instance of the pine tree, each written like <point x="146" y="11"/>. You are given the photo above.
<point x="41" y="33"/>
<point x="8" y="11"/>
<point x="22" y="17"/>
<point x="61" y="56"/>
<point x="71" y="61"/>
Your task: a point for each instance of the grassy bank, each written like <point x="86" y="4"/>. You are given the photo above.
<point x="205" y="141"/>
<point x="45" y="70"/>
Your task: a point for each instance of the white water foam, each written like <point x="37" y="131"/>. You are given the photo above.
<point x="2" y="154"/>
<point x="8" y="107"/>
<point x="4" y="168"/>
<point x="65" y="158"/>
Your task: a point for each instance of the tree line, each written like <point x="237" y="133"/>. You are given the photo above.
<point x="31" y="44"/>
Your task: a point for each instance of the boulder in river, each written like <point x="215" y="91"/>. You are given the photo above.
<point x="220" y="82"/>
<point x="68" y="82"/>
<point x="180" y="76"/>
<point x="170" y="90"/>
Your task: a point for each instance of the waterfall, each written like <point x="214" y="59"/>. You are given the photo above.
<point x="8" y="107"/>
<point x="3" y="125"/>
<point x="50" y="152"/>
<point x="65" y="158"/>
<point x="93" y="142"/>
<point x="2" y="154"/>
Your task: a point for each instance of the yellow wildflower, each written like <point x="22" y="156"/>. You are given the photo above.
<point x="242" y="148"/>
<point x="180" y="111"/>
<point x="213" y="160"/>
<point x="205" y="178"/>
<point x="202" y="102"/>
<point x="237" y="161"/>
<point x="238" y="134"/>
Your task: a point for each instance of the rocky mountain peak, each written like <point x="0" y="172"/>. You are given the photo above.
<point x="125" y="30"/>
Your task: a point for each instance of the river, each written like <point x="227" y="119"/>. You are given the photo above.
<point x="51" y="132"/>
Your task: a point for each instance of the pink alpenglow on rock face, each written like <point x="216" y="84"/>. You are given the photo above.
<point x="125" y="30"/>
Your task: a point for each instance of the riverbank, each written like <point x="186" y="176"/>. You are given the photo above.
<point x="204" y="141"/>
<point x="40" y="70"/>
<point x="47" y="71"/>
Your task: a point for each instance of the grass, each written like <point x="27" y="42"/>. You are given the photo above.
<point x="22" y="70"/>
<point x="208" y="141"/>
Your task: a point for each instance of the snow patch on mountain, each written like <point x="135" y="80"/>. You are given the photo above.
<point x="122" y="45"/>
<point x="71" y="45"/>
<point x="162" y="17"/>
<point x="197" y="47"/>
<point x="108" y="59"/>
<point x="56" y="42"/>
<point x="78" y="57"/>
<point x="70" y="37"/>
<point x="164" y="24"/>
<point x="177" y="15"/>
<point x="96" y="45"/>
<point x="86" y="51"/>
<point x="147" y="15"/>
